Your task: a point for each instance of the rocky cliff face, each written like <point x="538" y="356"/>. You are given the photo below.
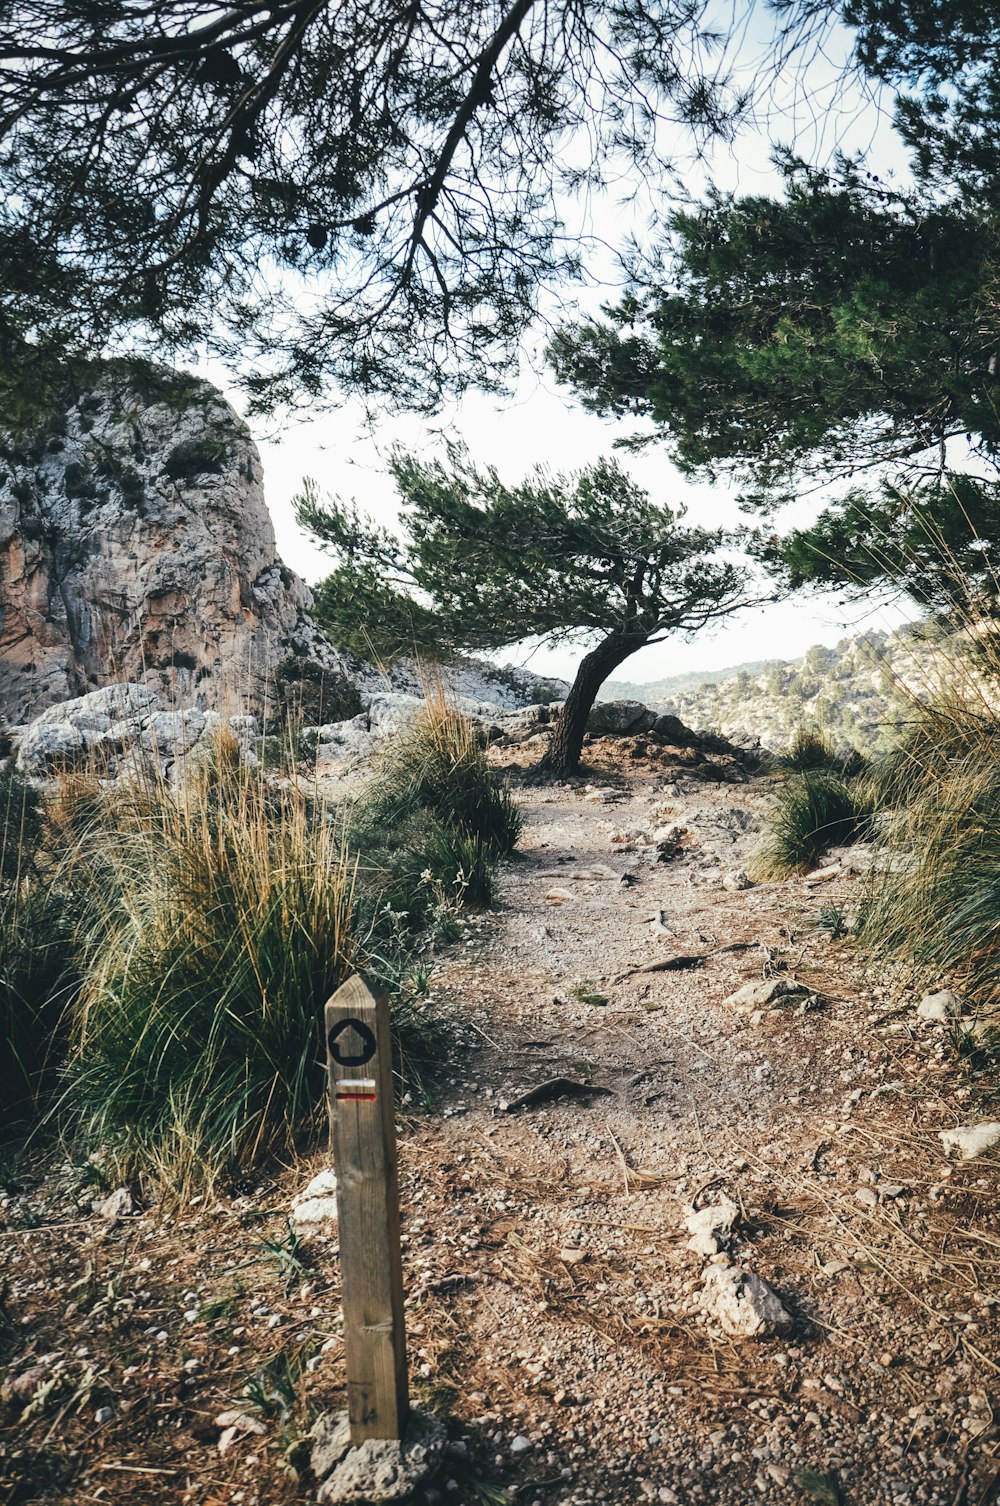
<point x="135" y="545"/>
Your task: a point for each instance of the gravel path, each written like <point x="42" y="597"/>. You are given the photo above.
<point x="556" y="1315"/>
<point x="583" y="1345"/>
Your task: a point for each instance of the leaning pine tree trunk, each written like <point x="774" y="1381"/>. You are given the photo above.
<point x="562" y="756"/>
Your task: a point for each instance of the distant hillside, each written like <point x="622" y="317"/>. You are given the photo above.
<point x="859" y="693"/>
<point x="655" y="691"/>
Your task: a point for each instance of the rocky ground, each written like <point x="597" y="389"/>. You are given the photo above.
<point x="558" y="1316"/>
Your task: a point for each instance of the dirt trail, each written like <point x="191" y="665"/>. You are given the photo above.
<point x="555" y="1313"/>
<point x="579" y="1330"/>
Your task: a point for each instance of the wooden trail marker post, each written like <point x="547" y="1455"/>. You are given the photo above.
<point x="363" y="1121"/>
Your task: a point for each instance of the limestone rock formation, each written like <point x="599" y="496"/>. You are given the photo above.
<point x="135" y="545"/>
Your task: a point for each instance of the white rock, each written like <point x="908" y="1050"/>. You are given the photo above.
<point x="743" y="1305"/>
<point x="316" y="1203"/>
<point x="759" y="995"/>
<point x="711" y="1228"/>
<point x="971" y="1140"/>
<point x="118" y="1205"/>
<point x="736" y="879"/>
<point x="669" y="835"/>
<point x="940" y="1008"/>
<point x="237" y="1424"/>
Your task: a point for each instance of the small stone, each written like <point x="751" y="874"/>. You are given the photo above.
<point x="236" y="1424"/>
<point x="736" y="879"/>
<point x="711" y="1228"/>
<point x="572" y="1257"/>
<point x="103" y="1415"/>
<point x="560" y="896"/>
<point x="971" y="1140"/>
<point x="940" y="1008"/>
<point x="520" y="1444"/>
<point x="742" y="1304"/>
<point x="866" y="1196"/>
<point x="317" y="1202"/>
<point x="119" y="1204"/>
<point x="22" y="1387"/>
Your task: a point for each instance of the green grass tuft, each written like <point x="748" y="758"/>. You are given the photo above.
<point x="222" y="926"/>
<point x="810" y="813"/>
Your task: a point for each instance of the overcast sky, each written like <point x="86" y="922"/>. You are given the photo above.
<point x="539" y="424"/>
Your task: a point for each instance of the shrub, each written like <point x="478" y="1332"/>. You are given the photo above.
<point x="225" y="925"/>
<point x="38" y="977"/>
<point x="433" y="822"/>
<point x="810" y="812"/>
<point x="808" y="750"/>
<point x="438" y="766"/>
<point x="39" y="906"/>
<point x="936" y="895"/>
<point x="21" y="820"/>
<point x="811" y="750"/>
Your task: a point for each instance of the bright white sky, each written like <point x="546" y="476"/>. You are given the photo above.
<point x="540" y="425"/>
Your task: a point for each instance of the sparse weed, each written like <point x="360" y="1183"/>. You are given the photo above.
<point x="287" y="1256"/>
<point x="585" y="993"/>
<point x="832" y="920"/>
<point x="273" y="1389"/>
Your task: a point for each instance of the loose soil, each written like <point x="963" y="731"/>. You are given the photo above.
<point x="553" y="1310"/>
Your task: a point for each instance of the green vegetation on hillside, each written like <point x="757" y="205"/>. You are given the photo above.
<point x="858" y="695"/>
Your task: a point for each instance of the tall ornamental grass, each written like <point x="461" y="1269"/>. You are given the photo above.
<point x="221" y="922"/>
<point x="934" y="900"/>
<point x="38" y="970"/>
<point x="434" y="820"/>
<point x="809" y="813"/>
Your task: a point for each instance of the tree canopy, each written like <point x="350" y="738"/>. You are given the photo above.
<point x="848" y="330"/>
<point x="369" y="195"/>
<point x="588" y="557"/>
<point x="365" y="193"/>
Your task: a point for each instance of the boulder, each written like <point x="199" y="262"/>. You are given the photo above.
<point x="619" y="718"/>
<point x="122" y="729"/>
<point x="380" y="1469"/>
